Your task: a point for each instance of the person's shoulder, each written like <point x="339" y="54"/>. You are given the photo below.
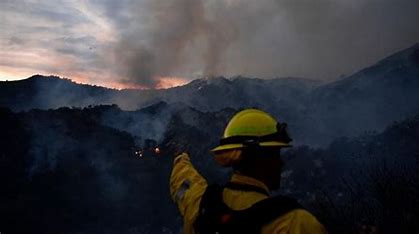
<point x="295" y="221"/>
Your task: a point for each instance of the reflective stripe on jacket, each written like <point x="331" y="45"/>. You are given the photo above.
<point x="187" y="187"/>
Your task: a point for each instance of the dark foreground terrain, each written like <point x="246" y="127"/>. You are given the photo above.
<point x="85" y="159"/>
<point x="75" y="171"/>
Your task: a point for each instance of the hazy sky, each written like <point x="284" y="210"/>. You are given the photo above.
<point x="158" y="43"/>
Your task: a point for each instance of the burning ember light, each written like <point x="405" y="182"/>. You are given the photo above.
<point x="139" y="153"/>
<point x="157" y="150"/>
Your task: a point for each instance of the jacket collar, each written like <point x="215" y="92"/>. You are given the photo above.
<point x="242" y="179"/>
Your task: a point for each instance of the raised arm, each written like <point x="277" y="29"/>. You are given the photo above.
<point x="186" y="189"/>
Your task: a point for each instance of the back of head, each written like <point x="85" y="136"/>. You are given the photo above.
<point x="250" y="132"/>
<point x="251" y="146"/>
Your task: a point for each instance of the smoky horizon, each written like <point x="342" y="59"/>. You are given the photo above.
<point x="154" y="44"/>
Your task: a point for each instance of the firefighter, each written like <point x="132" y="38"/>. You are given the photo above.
<point x="251" y="146"/>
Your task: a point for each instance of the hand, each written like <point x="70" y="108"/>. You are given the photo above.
<point x="176" y="148"/>
<point x="180" y="148"/>
<point x="181" y="157"/>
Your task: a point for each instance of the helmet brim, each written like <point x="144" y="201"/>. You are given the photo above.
<point x="240" y="146"/>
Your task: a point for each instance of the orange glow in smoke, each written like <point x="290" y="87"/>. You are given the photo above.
<point x="165" y="82"/>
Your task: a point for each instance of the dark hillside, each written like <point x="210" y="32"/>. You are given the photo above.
<point x="71" y="170"/>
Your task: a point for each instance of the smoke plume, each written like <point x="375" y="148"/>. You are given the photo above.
<point x="175" y="31"/>
<point x="321" y="39"/>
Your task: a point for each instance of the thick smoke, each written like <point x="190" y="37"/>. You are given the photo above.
<point x="321" y="39"/>
<point x="164" y="46"/>
<point x="137" y="41"/>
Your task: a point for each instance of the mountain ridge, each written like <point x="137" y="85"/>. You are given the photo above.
<point x="367" y="100"/>
<point x="395" y="56"/>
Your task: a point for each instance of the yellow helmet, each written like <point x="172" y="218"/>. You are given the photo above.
<point x="253" y="127"/>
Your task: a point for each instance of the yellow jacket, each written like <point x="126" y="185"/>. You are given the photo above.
<point x="187" y="187"/>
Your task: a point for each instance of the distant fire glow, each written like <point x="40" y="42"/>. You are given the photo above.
<point x="80" y="78"/>
<point x="139" y="153"/>
<point x="166" y="82"/>
<point x="146" y="152"/>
